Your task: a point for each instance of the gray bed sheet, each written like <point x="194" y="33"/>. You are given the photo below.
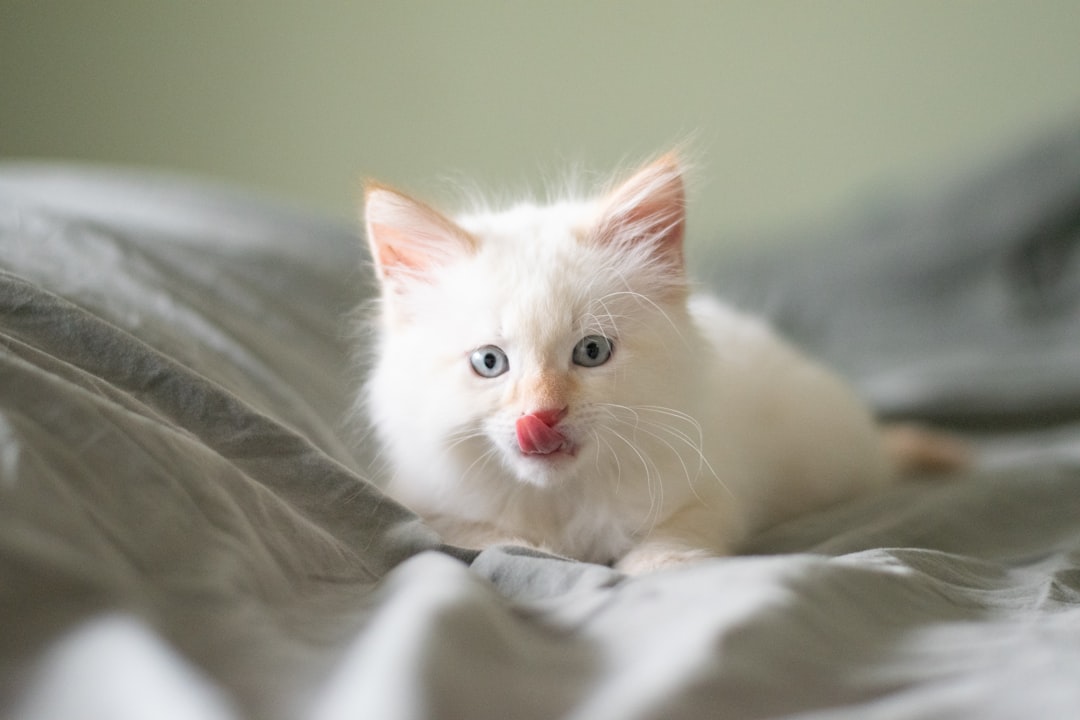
<point x="187" y="529"/>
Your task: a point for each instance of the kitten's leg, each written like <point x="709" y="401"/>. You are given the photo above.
<point x="915" y="450"/>
<point x="477" y="535"/>
<point x="658" y="553"/>
<point x="689" y="535"/>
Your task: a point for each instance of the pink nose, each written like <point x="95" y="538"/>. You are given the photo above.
<point x="536" y="433"/>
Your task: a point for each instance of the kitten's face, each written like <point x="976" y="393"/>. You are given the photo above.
<point x="524" y="340"/>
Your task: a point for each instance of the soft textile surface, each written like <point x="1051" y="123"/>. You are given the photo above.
<point x="186" y="530"/>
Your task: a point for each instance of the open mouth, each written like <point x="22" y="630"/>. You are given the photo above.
<point x="539" y="436"/>
<point x="566" y="449"/>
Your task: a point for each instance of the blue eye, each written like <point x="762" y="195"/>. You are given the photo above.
<point x="489" y="361"/>
<point x="592" y="350"/>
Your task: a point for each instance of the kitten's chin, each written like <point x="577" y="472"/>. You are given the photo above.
<point x="544" y="470"/>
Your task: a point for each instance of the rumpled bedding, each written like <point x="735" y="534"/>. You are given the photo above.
<point x="188" y="528"/>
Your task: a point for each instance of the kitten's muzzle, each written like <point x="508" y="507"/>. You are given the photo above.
<point x="536" y="433"/>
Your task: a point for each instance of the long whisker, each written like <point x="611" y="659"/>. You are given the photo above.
<point x="639" y="421"/>
<point x="612" y="326"/>
<point x="647" y="301"/>
<point x="656" y="491"/>
<point x="485" y="457"/>
<point x="637" y="424"/>
<point x="464" y="435"/>
<point x="614" y="456"/>
<point x="684" y="437"/>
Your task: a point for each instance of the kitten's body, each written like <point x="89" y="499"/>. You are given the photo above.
<point x="701" y="426"/>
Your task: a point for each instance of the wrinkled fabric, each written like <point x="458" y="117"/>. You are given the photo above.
<point x="188" y="528"/>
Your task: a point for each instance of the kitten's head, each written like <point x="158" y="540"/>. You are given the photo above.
<point x="531" y="339"/>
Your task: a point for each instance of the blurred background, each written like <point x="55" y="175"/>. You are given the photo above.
<point x="794" y="109"/>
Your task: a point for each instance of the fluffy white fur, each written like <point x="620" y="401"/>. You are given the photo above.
<point x="701" y="427"/>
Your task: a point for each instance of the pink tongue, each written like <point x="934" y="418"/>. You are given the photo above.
<point x="536" y="438"/>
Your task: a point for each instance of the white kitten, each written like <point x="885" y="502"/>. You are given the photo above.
<point x="544" y="376"/>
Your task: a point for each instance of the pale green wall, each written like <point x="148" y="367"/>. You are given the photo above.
<point x="796" y="107"/>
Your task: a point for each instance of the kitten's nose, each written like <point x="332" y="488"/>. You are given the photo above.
<point x="536" y="433"/>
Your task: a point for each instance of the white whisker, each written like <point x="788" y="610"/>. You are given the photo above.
<point x="461" y="436"/>
<point x="643" y="299"/>
<point x="485" y="457"/>
<point x="679" y="415"/>
<point x="641" y="423"/>
<point x="614" y="456"/>
<point x="655" y="490"/>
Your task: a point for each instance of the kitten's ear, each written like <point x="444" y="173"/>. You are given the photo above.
<point x="408" y="238"/>
<point x="648" y="207"/>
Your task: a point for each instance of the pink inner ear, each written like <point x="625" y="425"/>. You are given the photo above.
<point x="651" y="205"/>
<point x="392" y="251"/>
<point x="663" y="216"/>
<point x="407" y="235"/>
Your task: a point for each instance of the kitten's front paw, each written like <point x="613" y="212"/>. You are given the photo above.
<point x="648" y="558"/>
<point x="478" y="535"/>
